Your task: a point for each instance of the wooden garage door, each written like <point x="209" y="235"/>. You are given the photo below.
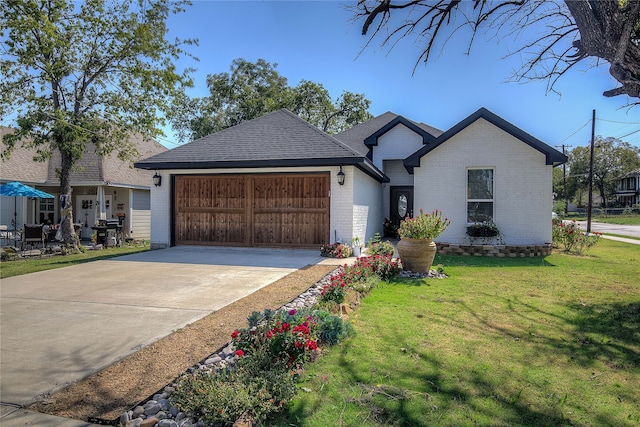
<point x="286" y="210"/>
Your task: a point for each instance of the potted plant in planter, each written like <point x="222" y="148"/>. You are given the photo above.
<point x="357" y="246"/>
<point x="416" y="247"/>
<point x="483" y="231"/>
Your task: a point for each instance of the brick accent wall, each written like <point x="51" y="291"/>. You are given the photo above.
<point x="499" y="251"/>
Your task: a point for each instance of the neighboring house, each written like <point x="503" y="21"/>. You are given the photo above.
<point x="628" y="189"/>
<point x="125" y="189"/>
<point x="275" y="182"/>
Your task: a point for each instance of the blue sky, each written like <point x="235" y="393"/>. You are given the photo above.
<point x="317" y="41"/>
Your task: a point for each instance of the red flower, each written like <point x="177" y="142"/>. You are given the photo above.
<point x="239" y="353"/>
<point x="312" y="345"/>
<point x="285" y="327"/>
<point x="292" y="312"/>
<point x="235" y="333"/>
<point x="270" y="334"/>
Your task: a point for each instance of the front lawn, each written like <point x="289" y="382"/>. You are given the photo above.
<point x="501" y="342"/>
<point x="32" y="264"/>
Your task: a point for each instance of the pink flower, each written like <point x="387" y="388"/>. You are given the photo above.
<point x="292" y="312"/>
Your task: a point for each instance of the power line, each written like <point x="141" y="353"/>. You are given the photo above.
<point x="630" y="133"/>
<point x="581" y="127"/>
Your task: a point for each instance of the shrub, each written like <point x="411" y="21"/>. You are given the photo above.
<point x="223" y="397"/>
<point x="336" y="250"/>
<point x="424" y="225"/>
<point x="483" y="231"/>
<point x="365" y="269"/>
<point x="283" y="337"/>
<point x="334" y="291"/>
<point x="572" y="238"/>
<point x="375" y="246"/>
<point x="332" y="329"/>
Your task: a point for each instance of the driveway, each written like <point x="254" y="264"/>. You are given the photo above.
<point x="59" y="326"/>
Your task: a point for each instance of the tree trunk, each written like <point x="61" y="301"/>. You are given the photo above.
<point x="66" y="205"/>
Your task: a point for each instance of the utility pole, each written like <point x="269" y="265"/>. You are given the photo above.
<point x="590" y="202"/>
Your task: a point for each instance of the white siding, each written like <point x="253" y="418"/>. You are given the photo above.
<point x="140" y="215"/>
<point x="523" y="184"/>
<point x="399" y="143"/>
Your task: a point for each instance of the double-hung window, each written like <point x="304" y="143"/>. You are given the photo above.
<point x="480" y="195"/>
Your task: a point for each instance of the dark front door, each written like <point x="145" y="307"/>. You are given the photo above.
<point x="401" y="207"/>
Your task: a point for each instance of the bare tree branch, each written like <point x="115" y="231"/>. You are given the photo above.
<point x="576" y="30"/>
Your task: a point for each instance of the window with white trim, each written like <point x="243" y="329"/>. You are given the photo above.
<point x="480" y="199"/>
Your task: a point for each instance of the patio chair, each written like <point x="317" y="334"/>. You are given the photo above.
<point x="31" y="235"/>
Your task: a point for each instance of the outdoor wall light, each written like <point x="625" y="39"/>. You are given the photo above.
<point x="157" y="179"/>
<point x="341" y="177"/>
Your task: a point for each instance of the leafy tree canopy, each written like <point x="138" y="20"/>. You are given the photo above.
<point x="573" y="30"/>
<point x="250" y="90"/>
<point x="74" y="73"/>
<point x="612" y="158"/>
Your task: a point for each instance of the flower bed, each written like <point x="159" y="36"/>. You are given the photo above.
<point x="255" y="374"/>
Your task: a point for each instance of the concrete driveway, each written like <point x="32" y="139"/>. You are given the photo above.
<point x="59" y="326"/>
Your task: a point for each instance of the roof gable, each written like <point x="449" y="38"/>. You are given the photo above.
<point x="372" y="140"/>
<point x="552" y="156"/>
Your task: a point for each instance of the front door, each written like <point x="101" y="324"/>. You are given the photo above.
<point x="401" y="207"/>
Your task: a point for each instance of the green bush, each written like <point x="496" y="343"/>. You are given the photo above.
<point x="336" y="250"/>
<point x="223" y="397"/>
<point x="375" y="246"/>
<point x="572" y="238"/>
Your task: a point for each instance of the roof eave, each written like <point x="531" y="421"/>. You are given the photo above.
<point x="361" y="163"/>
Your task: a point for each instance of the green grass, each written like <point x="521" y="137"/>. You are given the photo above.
<point x="33" y="264"/>
<point x="632" y="219"/>
<point x="501" y="342"/>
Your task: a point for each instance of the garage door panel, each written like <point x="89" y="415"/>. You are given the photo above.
<point x="252" y="210"/>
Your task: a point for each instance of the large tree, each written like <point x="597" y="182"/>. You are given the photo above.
<point x="250" y="90"/>
<point x="612" y="158"/>
<point x="573" y="30"/>
<point x="75" y="73"/>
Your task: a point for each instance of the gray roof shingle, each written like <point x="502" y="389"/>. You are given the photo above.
<point x="90" y="170"/>
<point x="355" y="136"/>
<point x="276" y="139"/>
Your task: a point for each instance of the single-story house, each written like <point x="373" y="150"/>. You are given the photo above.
<point x="126" y="190"/>
<point x="277" y="181"/>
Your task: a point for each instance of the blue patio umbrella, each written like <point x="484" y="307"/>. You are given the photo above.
<point x="16" y="190"/>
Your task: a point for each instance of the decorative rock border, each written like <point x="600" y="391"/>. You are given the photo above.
<point x="508" y="251"/>
<point x="157" y="411"/>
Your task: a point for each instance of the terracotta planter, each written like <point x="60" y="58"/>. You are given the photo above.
<point x="416" y="254"/>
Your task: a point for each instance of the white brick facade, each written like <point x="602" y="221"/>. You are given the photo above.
<point x="522" y="183"/>
<point x="354" y="210"/>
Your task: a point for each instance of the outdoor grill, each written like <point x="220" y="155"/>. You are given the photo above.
<point x="108" y="229"/>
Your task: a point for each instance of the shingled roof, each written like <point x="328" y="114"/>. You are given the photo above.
<point x="92" y="169"/>
<point x="356" y="136"/>
<point x="277" y="139"/>
<point x="552" y="156"/>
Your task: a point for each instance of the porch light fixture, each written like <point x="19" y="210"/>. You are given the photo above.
<point x="341" y="176"/>
<point x="157" y="179"/>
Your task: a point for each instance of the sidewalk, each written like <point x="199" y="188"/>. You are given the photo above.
<point x="622" y="239"/>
